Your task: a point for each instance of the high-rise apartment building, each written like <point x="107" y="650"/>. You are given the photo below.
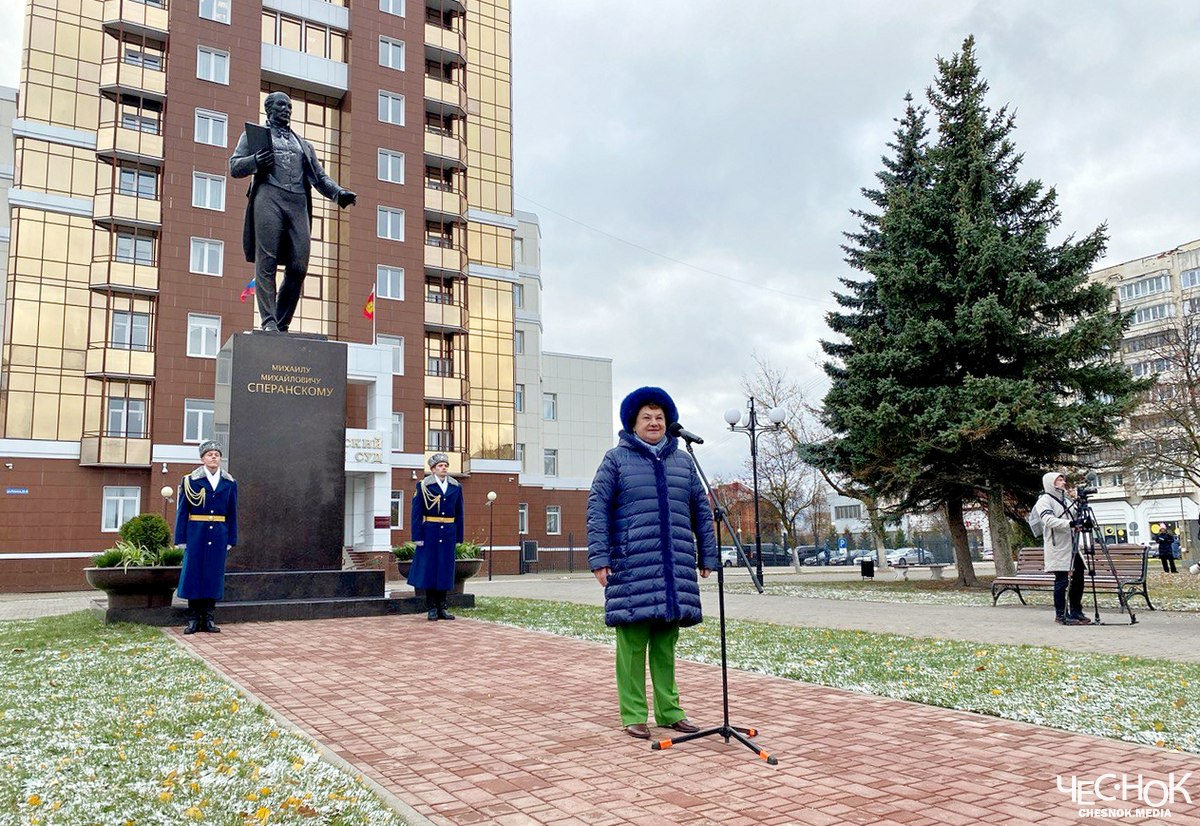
<point x="126" y="272"/>
<point x="1163" y="293"/>
<point x="564" y="413"/>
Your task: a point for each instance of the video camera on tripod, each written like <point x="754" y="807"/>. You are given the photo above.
<point x="1083" y="522"/>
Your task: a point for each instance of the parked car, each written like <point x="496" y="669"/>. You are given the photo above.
<point x="909" y="556"/>
<point x="729" y="556"/>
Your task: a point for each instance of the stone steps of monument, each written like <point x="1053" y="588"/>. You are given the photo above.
<point x="279" y="610"/>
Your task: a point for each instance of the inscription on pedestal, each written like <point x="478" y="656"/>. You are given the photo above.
<point x="281" y="411"/>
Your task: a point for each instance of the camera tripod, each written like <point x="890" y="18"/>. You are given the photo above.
<point x="1086" y="537"/>
<point x="725" y="730"/>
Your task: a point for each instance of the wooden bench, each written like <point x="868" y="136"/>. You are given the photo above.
<point x="935" y="570"/>
<point x="1128" y="560"/>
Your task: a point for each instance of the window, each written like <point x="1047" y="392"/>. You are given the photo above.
<point x="1145" y="286"/>
<point x="197" y="420"/>
<point x="130" y="331"/>
<point x="134" y="249"/>
<point x="140" y="115"/>
<point x="519" y="398"/>
<point x="519" y="342"/>
<point x="553" y="519"/>
<point x="204" y="335"/>
<point x="1150" y="367"/>
<point x="391" y="53"/>
<point x="126" y="418"/>
<point x="391" y="108"/>
<point x="1189" y="278"/>
<point x="518" y="296"/>
<point x="519" y="453"/>
<point x="208" y="256"/>
<point x="1155" y="312"/>
<point x="140" y="183"/>
<point x="439" y="364"/>
<point x="208" y="191"/>
<point x="389" y="282"/>
<point x="389" y="223"/>
<point x="397" y="510"/>
<point x="212" y="65"/>
<point x="550" y="462"/>
<point x="1116" y="480"/>
<point x="397" y="431"/>
<point x="440" y="439"/>
<point x="140" y="123"/>
<point x="397" y="345"/>
<point x="395" y="7"/>
<point x="391" y="166"/>
<point x="523" y="517"/>
<point x="550" y="406"/>
<point x="120" y="505"/>
<point x="144" y="57"/>
<point x="217" y="10"/>
<point x="847" y="512"/>
<point x="212" y="128"/>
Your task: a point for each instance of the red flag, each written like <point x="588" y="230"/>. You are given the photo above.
<point x="369" y="307"/>
<point x="248" y="291"/>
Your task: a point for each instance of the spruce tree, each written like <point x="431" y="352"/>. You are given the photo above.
<point x="988" y="352"/>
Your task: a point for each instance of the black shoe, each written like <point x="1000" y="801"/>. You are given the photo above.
<point x="1080" y="619"/>
<point x="193" y="626"/>
<point x="1058" y="618"/>
<point x="442" y="613"/>
<point x="270" y="327"/>
<point x="210" y="625"/>
<point x="432" y="615"/>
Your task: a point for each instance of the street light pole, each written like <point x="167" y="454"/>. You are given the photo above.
<point x="751" y="427"/>
<point x="491" y="500"/>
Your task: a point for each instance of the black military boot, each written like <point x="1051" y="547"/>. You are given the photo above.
<point x="442" y="612"/>
<point x="193" y="618"/>
<point x="210" y="622"/>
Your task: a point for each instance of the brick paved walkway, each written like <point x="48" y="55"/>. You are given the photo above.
<point x="469" y="722"/>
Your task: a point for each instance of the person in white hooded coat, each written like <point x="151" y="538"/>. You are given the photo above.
<point x="1057" y="512"/>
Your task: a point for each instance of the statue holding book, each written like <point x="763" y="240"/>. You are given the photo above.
<point x="278" y="225"/>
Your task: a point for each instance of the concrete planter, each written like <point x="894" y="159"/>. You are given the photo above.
<point x="135" y="587"/>
<point x="464" y="569"/>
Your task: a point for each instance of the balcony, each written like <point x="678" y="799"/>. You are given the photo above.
<point x="123" y="276"/>
<point x="119" y="78"/>
<point x="136" y="18"/>
<point x="445" y="97"/>
<point x="111" y="208"/>
<point x="447" y="45"/>
<point x="103" y="361"/>
<point x="445" y="149"/>
<point x="446" y="260"/>
<point x="115" y="142"/>
<point x="96" y="449"/>
<point x="445" y="389"/>
<point x="445" y="317"/>
<point x="445" y="205"/>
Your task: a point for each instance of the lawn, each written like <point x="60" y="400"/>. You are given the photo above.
<point x="1124" y="698"/>
<point x="1168" y="592"/>
<point x="119" y="725"/>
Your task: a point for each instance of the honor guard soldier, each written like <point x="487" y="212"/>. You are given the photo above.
<point x="437" y="528"/>
<point x="206" y="525"/>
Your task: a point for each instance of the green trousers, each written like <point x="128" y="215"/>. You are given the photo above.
<point x="633" y="642"/>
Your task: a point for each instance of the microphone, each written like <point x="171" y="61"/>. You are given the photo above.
<point x="676" y="429"/>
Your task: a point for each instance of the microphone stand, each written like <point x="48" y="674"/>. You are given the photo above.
<point x="725" y="730"/>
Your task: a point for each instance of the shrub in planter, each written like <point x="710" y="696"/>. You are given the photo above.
<point x="149" y="530"/>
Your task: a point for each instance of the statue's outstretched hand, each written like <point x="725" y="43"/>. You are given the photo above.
<point x="264" y="158"/>
<point x="346" y="198"/>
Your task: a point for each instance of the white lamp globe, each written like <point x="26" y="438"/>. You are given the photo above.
<point x="733" y="416"/>
<point x="491" y="496"/>
<point x="776" y="415"/>
<point x="167" y="492"/>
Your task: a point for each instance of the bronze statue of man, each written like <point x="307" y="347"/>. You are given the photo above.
<point x="278" y="226"/>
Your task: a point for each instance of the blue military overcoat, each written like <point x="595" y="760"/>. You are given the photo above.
<point x="206" y="525"/>
<point x="437" y="527"/>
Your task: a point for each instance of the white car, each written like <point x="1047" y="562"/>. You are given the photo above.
<point x="908" y="556"/>
<point x="729" y="556"/>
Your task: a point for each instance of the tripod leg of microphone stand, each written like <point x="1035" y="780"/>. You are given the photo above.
<point x="661" y="745"/>
<point x="745" y="741"/>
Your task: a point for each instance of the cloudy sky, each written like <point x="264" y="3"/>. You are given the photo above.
<point x="693" y="162"/>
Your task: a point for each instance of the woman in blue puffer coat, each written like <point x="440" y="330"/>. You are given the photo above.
<point x="646" y="512"/>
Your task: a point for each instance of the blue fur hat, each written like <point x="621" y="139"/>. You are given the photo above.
<point x="643" y="396"/>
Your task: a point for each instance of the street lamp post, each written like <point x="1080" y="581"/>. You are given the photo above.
<point x="491" y="500"/>
<point x="749" y="425"/>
